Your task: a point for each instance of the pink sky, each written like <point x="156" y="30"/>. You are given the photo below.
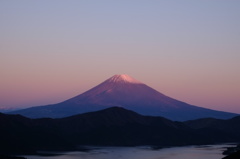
<point x="50" y="51"/>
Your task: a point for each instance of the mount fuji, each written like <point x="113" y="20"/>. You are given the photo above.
<point x="129" y="93"/>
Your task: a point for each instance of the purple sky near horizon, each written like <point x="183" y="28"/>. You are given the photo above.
<point x="53" y="50"/>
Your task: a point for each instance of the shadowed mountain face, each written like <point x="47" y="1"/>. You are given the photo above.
<point x="222" y="125"/>
<point x="114" y="126"/>
<point x="127" y="92"/>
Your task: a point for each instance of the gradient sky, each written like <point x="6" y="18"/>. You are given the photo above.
<point x="53" y="50"/>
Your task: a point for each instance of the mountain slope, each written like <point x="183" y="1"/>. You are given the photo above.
<point x="129" y="93"/>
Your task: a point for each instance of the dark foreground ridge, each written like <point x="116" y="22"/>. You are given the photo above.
<point x="110" y="127"/>
<point x="10" y="157"/>
<point x="232" y="152"/>
<point x="235" y="155"/>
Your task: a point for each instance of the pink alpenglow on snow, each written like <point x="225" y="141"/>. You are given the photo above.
<point x="123" y="78"/>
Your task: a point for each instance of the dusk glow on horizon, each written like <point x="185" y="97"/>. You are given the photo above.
<point x="51" y="51"/>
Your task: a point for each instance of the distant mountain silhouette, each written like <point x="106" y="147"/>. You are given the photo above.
<point x="114" y="126"/>
<point x="127" y="92"/>
<point x="231" y="125"/>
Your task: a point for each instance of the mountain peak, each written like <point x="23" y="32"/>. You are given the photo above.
<point x="124" y="91"/>
<point x="123" y="78"/>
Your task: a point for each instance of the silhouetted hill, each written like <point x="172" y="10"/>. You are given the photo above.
<point x="114" y="126"/>
<point x="23" y="135"/>
<point x="10" y="157"/>
<point x="232" y="152"/>
<point x="230" y="127"/>
<point x="235" y="155"/>
<point x="118" y="126"/>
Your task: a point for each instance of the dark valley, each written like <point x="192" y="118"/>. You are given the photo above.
<point x="114" y="126"/>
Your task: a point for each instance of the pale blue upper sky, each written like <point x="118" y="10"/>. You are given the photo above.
<point x="187" y="49"/>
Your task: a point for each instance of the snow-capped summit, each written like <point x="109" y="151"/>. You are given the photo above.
<point x="127" y="92"/>
<point x="123" y="78"/>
